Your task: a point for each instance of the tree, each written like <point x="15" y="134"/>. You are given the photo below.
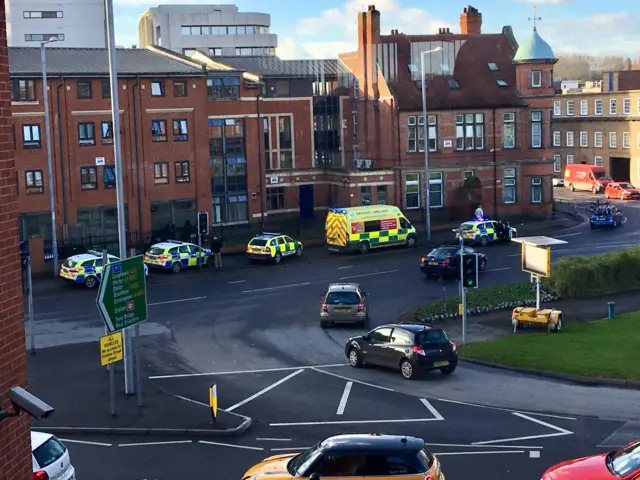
<point x="574" y="66"/>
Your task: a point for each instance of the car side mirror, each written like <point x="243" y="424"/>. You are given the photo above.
<point x="365" y="337"/>
<point x="314" y="476"/>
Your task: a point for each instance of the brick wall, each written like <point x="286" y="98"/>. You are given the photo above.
<point x="15" y="456"/>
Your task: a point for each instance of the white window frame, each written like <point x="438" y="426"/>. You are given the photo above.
<point x="626" y="140"/>
<point x="509" y="119"/>
<point x="536" y="78"/>
<point x="584" y="139"/>
<point x="432" y="126"/>
<point x="438" y="180"/>
<point x="599" y="161"/>
<point x="570" y="139"/>
<point x="356" y="89"/>
<point x="584" y="107"/>
<point x="354" y="121"/>
<point x="509" y="180"/>
<point x="570" y="108"/>
<point x="557" y="138"/>
<point x="626" y="106"/>
<point x="613" y="140"/>
<point x="557" y="108"/>
<point x="570" y="159"/>
<point x="536" y="186"/>
<point x="412" y="183"/>
<point x="597" y="139"/>
<point x="557" y="163"/>
<point x="598" y="107"/>
<point x="613" y="106"/>
<point x="536" y="121"/>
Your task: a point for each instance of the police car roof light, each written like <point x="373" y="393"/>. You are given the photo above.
<point x="269" y="234"/>
<point x="177" y="242"/>
<point x="94" y="252"/>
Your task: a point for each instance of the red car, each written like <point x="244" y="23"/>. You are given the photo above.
<point x="623" y="464"/>
<point x="621" y="190"/>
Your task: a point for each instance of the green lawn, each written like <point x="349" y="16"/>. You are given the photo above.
<point x="602" y="349"/>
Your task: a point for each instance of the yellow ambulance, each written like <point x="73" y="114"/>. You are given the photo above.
<point x="371" y="226"/>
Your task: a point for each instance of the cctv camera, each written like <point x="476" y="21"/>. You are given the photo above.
<point x="24" y="401"/>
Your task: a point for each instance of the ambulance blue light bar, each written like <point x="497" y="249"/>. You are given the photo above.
<point x="338" y="210"/>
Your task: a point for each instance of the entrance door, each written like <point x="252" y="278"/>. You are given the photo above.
<point x="306" y="201"/>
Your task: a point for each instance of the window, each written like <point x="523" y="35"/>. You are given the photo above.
<point x="570" y="107"/>
<point x="276" y="199"/>
<point x="157" y="88"/>
<point x="597" y="139"/>
<point x="181" y="169"/>
<point x="557" y="163"/>
<point x="415" y="133"/>
<point x="626" y="106"/>
<point x="470" y="131"/>
<point x="86" y="134"/>
<point x="282" y="88"/>
<point x="158" y="130"/>
<point x="106" y="89"/>
<point x="88" y="178"/>
<point x="509" y="185"/>
<point x="412" y="190"/>
<point x="226" y="88"/>
<point x="597" y="107"/>
<point x="109" y="176"/>
<point x="557" y="139"/>
<point x="180" y="133"/>
<point x="285" y="139"/>
<point x="179" y="88"/>
<point x="354" y="118"/>
<point x="237" y="208"/>
<point x="215" y="52"/>
<point x="613" y="140"/>
<point x="536" y="129"/>
<point x="536" y="190"/>
<point x="613" y="107"/>
<point x="31" y="136"/>
<point x="598" y="161"/>
<point x="584" y="139"/>
<point x="161" y="172"/>
<point x="557" y="108"/>
<point x="468" y="174"/>
<point x="453" y="84"/>
<point x="433" y="133"/>
<point x="83" y="91"/>
<point x="381" y="195"/>
<point x="436" y="199"/>
<point x="584" y="107"/>
<point x="43" y="14"/>
<point x="23" y="90"/>
<point x="493" y="66"/>
<point x="365" y="195"/>
<point x="536" y="78"/>
<point x="43" y="37"/>
<point x="33" y="182"/>
<point x="570" y="159"/>
<point x="107" y="133"/>
<point x="356" y="89"/>
<point x="501" y="83"/>
<point x="626" y="140"/>
<point x="509" y="130"/>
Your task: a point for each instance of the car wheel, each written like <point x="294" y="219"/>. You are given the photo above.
<point x="484" y="240"/>
<point x="354" y="358"/>
<point x="448" y="370"/>
<point x="364" y="248"/>
<point x="571" y="187"/>
<point x="90" y="282"/>
<point x="594" y="190"/>
<point x="277" y="258"/>
<point x="298" y="252"/>
<point x="593" y="227"/>
<point x="323" y="324"/>
<point x="483" y="265"/>
<point x="406" y="369"/>
<point x="606" y="195"/>
<point x="176" y="267"/>
<point x="411" y="241"/>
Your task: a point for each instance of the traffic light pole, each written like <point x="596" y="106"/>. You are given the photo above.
<point x="464" y="316"/>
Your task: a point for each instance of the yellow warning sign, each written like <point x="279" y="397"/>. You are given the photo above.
<point x="111" y="350"/>
<point x="460" y="308"/>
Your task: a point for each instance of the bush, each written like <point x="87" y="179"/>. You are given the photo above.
<point x="579" y="277"/>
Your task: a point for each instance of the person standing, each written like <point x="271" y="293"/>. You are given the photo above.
<point x="479" y="213"/>
<point x="216" y="249"/>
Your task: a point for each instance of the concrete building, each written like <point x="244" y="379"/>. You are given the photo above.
<point x="76" y="23"/>
<point x="217" y="30"/>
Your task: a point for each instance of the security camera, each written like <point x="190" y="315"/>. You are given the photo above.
<point x="23" y="401"/>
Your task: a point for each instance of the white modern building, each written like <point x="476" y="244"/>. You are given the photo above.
<point x="76" y="23"/>
<point x="219" y="30"/>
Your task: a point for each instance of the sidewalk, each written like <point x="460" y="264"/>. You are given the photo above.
<point x="71" y="380"/>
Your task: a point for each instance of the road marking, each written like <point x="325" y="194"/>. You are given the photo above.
<point x="273" y="439"/>
<point x="492" y="452"/>
<point x="174" y="442"/>
<point x="237" y="281"/>
<point x="177" y="301"/>
<point x="85" y="442"/>
<point x="534" y="454"/>
<point x="464" y="445"/>
<point x="568" y="235"/>
<point x="291" y="449"/>
<point x="191" y="400"/>
<point x="345" y="267"/>
<point x="345" y="397"/>
<point x="353" y="422"/>
<point x="230" y="445"/>
<point x="618" y="245"/>
<point x="559" y="431"/>
<point x="317" y="369"/>
<point x="433" y="411"/>
<point x="238" y="372"/>
<point x="265" y="390"/>
<point x="277" y="288"/>
<point x="368" y="274"/>
<point x="497" y="269"/>
<point x="505" y="409"/>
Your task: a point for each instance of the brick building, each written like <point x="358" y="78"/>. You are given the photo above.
<point x="15" y="442"/>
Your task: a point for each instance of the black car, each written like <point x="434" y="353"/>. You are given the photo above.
<point x="411" y="348"/>
<point x="443" y="261"/>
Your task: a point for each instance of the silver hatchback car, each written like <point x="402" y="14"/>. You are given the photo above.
<point x="344" y="303"/>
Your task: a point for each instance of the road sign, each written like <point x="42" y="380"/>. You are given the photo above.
<point x="111" y="349"/>
<point x="122" y="298"/>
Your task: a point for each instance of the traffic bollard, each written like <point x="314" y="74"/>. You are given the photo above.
<point x="611" y="307"/>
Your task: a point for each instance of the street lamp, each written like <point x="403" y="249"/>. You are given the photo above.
<point x="47" y="127"/>
<point x="427" y="203"/>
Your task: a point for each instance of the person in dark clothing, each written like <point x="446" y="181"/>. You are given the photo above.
<point x="216" y="249"/>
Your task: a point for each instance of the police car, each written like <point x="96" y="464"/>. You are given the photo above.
<point x="86" y="268"/>
<point x="273" y="247"/>
<point x="484" y="231"/>
<point x="174" y="255"/>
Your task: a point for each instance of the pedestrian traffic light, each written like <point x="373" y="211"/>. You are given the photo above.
<point x="470" y="270"/>
<point x="203" y="223"/>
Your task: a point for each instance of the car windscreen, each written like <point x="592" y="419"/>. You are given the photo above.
<point x="468" y="226"/>
<point x="49" y="452"/>
<point x="427" y="337"/>
<point x="600" y="175"/>
<point x="624" y="461"/>
<point x="156" y="251"/>
<point x="625" y="185"/>
<point x="442" y="253"/>
<point x="258" y="242"/>
<point x="343" y="298"/>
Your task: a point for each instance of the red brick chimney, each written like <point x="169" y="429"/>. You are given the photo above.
<point x="471" y="21"/>
<point x="368" y="27"/>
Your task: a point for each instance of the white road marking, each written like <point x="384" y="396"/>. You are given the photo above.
<point x="534" y="454"/>
<point x="353" y="422"/>
<point x="618" y="246"/>
<point x="433" y="411"/>
<point x="497" y="269"/>
<point x="291" y="449"/>
<point x="230" y="445"/>
<point x="177" y="301"/>
<point x="238" y="372"/>
<point x="236" y="281"/>
<point x="277" y="288"/>
<point x="568" y="235"/>
<point x="345" y="267"/>
<point x="273" y="439"/>
<point x="559" y="431"/>
<point x="85" y="442"/>
<point x="264" y="390"/>
<point x="174" y="442"/>
<point x="492" y="452"/>
<point x="345" y="397"/>
<point x="480" y="446"/>
<point x="317" y="369"/>
<point x="505" y="409"/>
<point x="191" y="400"/>
<point x="368" y="274"/>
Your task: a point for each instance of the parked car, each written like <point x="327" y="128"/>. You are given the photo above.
<point x="50" y="458"/>
<point x="580" y="176"/>
<point x="443" y="261"/>
<point x="622" y="191"/>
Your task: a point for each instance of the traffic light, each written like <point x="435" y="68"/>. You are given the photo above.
<point x="470" y="270"/>
<point x="203" y="223"/>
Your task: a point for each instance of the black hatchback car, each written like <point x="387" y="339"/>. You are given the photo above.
<point x="443" y="261"/>
<point x="410" y="348"/>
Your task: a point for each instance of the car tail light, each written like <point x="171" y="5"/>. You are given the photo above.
<point x="453" y="346"/>
<point x="164" y="257"/>
<point x="428" y="477"/>
<point x="422" y="261"/>
<point x="41" y="475"/>
<point x="360" y="307"/>
<point x="445" y="261"/>
<point x="325" y="308"/>
<point x="74" y="270"/>
<point x="419" y="350"/>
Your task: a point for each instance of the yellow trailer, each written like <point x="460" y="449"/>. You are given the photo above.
<point x="530" y="316"/>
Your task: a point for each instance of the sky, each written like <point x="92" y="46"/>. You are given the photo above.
<point x="324" y="29"/>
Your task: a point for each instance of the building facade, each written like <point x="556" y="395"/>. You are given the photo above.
<point x="75" y="23"/>
<point x="217" y="30"/>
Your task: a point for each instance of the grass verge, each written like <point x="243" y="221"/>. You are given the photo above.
<point x="601" y="349"/>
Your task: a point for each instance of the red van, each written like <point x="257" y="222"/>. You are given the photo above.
<point x="580" y="176"/>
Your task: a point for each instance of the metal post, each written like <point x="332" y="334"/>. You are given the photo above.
<point x="110" y="367"/>
<point x="138" y="366"/>
<point x="47" y="129"/>
<point x="427" y="207"/>
<point x="32" y="333"/>
<point x="461" y="263"/>
<point x="199" y="260"/>
<point x="537" y="292"/>
<point x="129" y="386"/>
<point x="464" y="315"/>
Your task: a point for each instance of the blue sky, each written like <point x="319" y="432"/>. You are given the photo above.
<point x="324" y="29"/>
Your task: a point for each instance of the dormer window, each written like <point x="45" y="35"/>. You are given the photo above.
<point x="453" y="83"/>
<point x="536" y="78"/>
<point x="493" y="66"/>
<point x="501" y="83"/>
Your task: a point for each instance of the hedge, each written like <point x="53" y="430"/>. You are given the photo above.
<point x="579" y="277"/>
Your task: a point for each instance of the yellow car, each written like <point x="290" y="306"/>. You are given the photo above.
<point x="86" y="268"/>
<point x="273" y="247"/>
<point x="483" y="231"/>
<point x="174" y="255"/>
<point x="365" y="456"/>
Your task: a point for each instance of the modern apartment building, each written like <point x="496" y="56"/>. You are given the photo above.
<point x="75" y="23"/>
<point x="217" y="30"/>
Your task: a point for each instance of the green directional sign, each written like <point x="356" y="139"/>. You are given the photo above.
<point x="122" y="297"/>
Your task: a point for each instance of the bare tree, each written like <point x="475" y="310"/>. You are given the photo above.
<point x="587" y="67"/>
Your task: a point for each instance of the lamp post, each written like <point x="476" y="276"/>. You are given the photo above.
<point x="47" y="129"/>
<point x="427" y="206"/>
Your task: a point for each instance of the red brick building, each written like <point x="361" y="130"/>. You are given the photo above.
<point x="15" y="442"/>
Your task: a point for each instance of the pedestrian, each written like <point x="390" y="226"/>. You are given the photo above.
<point x="216" y="248"/>
<point x="479" y="213"/>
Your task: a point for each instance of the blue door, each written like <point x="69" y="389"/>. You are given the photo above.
<point x="306" y="201"/>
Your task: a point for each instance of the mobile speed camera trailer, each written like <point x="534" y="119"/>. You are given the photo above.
<point x="536" y="260"/>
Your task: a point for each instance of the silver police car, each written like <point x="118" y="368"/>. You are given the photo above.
<point x="344" y="303"/>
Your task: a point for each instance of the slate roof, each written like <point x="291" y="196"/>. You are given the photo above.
<point x="25" y="61"/>
<point x="275" y="66"/>
<point x="535" y="49"/>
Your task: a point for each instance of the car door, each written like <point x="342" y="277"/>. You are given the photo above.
<point x="282" y="246"/>
<point x="185" y="256"/>
<point x="377" y="341"/>
<point x="196" y="255"/>
<point x="273" y="247"/>
<point x="399" y="347"/>
<point x="339" y="466"/>
<point x="291" y="245"/>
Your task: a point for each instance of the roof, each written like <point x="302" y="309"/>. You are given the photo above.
<point x="414" y="327"/>
<point x="25" y="61"/>
<point x="372" y="443"/>
<point x="275" y="66"/>
<point x="169" y="244"/>
<point x="267" y="235"/>
<point x="81" y="257"/>
<point x="534" y="49"/>
<point x="333" y="287"/>
<point x="38" y="438"/>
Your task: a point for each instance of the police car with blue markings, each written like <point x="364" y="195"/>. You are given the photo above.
<point x="174" y="255"/>
<point x="483" y="231"/>
<point x="86" y="268"/>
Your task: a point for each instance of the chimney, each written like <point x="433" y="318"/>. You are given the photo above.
<point x="471" y="21"/>
<point x="628" y="65"/>
<point x="369" y="27"/>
